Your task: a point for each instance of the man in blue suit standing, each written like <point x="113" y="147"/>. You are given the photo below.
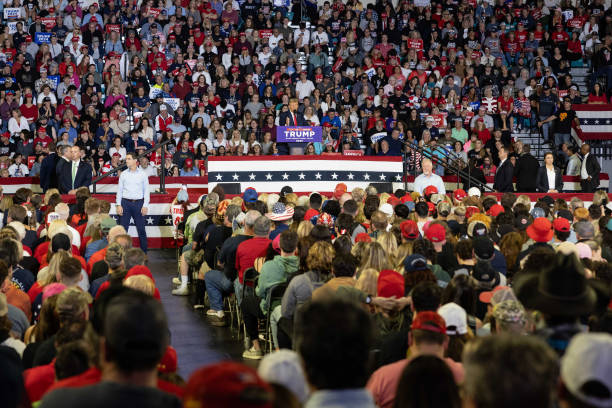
<point x="75" y="174"/>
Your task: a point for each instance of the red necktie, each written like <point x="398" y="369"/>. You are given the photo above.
<point x="294" y="119"/>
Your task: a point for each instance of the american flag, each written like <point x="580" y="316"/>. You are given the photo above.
<point x="595" y="121"/>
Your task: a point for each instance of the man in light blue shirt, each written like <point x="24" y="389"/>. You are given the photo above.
<point x="133" y="198"/>
<point x="428" y="178"/>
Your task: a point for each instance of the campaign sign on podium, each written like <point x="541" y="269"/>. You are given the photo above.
<point x="299" y="134"/>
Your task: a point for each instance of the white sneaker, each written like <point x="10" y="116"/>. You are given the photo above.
<point x="218" y="313"/>
<point x="176" y="280"/>
<point x="181" y="291"/>
<point x="252" y="354"/>
<point x="198" y="307"/>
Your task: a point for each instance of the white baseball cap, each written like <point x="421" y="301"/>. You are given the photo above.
<point x="455" y="318"/>
<point x="474" y="191"/>
<point x="587" y="360"/>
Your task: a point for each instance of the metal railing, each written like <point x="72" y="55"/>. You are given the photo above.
<point x="162" y="173"/>
<point x="461" y="175"/>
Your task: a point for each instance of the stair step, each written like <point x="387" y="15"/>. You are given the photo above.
<point x="579" y="71"/>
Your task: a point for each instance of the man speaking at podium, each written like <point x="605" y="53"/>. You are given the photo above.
<point x="291" y="118"/>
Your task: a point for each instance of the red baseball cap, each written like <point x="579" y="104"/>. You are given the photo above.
<point x="169" y="362"/>
<point x="409" y="229"/>
<point x="227" y="384"/>
<point x="390" y="284"/>
<point x="75" y="39"/>
<point x="363" y="237"/>
<point x="436" y="233"/>
<point x="561" y="224"/>
<point x="405" y="198"/>
<point x="104" y="119"/>
<point x="495" y="210"/>
<point x="188" y="162"/>
<point x="28" y="38"/>
<point x="459" y="194"/>
<point x="393" y="200"/>
<point x="67" y="100"/>
<point x="431" y="207"/>
<point x="429" y="321"/>
<point x="429" y="190"/>
<point x="540" y="230"/>
<point x="339" y="190"/>
<point x="140" y="270"/>
<point x="471" y="210"/>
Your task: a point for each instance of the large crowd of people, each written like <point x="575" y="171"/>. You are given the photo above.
<point x="358" y="298"/>
<point x="218" y="78"/>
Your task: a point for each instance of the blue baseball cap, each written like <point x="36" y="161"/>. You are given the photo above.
<point x="250" y="195"/>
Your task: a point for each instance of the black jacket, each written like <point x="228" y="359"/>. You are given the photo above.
<point x="593" y="168"/>
<point x="286" y="120"/>
<point x="542" y="180"/>
<point x="476" y="174"/>
<point x="526" y="168"/>
<point x="48" y="177"/>
<point x="81" y="179"/>
<point x="503" y="177"/>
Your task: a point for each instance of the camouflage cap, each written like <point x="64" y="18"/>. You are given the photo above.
<point x="510" y="311"/>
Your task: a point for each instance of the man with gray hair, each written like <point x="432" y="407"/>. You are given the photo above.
<point x="113" y="234"/>
<point x="220" y="280"/>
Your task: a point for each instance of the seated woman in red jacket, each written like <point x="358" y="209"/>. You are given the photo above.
<point x="598" y="96"/>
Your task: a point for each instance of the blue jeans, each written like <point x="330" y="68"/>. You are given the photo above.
<point x="561" y="138"/>
<point x="132" y="209"/>
<point x="217" y="285"/>
<point x="546" y="130"/>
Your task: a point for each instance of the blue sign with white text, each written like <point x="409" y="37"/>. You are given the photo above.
<point x="40" y="38"/>
<point x="299" y="134"/>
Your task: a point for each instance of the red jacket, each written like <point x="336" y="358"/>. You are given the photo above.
<point x="94" y="376"/>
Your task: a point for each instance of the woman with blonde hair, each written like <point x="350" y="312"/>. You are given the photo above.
<point x="374" y="257"/>
<point x="304" y="229"/>
<point x="48" y="274"/>
<point x="368" y="282"/>
<point x="404" y="250"/>
<point x="141" y="283"/>
<point x="389" y="243"/>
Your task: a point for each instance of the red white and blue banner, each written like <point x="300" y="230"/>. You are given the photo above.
<point x="595" y="121"/>
<point x="303" y="173"/>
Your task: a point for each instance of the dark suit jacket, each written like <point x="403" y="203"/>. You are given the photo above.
<point x="476" y="174"/>
<point x="503" y="177"/>
<point x="82" y="178"/>
<point x="286" y="120"/>
<point x="48" y="176"/>
<point x="593" y="169"/>
<point x="542" y="180"/>
<point x="526" y="168"/>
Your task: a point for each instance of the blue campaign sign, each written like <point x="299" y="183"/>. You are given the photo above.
<point x="299" y="134"/>
<point x="40" y="38"/>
